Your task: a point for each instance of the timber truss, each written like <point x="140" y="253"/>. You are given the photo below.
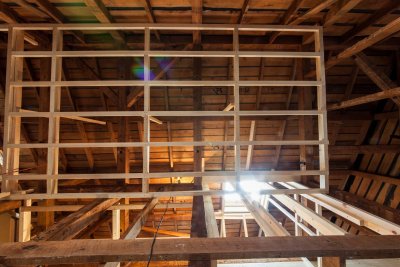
<point x="281" y="187"/>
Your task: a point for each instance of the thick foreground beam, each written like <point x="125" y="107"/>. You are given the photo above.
<point x="86" y="251"/>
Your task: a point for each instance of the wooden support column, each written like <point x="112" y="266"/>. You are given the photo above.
<point x="305" y="98"/>
<point x="13" y="102"/>
<point x="123" y="135"/>
<point x="135" y="227"/>
<point x="24" y="223"/>
<point x="198" y="225"/>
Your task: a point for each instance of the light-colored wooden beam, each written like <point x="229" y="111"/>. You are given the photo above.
<point x="350" y="212"/>
<point x="164" y="232"/>
<point x="264" y="219"/>
<point x="86" y="251"/>
<point x="323" y="225"/>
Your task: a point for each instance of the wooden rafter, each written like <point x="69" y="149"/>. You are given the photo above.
<point x="390" y="93"/>
<point x="340" y="9"/>
<point x="379" y="14"/>
<point x="384" y="32"/>
<point x="243" y="10"/>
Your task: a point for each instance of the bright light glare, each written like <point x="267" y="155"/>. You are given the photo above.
<point x="251" y="187"/>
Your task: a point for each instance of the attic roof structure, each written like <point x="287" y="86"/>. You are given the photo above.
<point x="200" y="133"/>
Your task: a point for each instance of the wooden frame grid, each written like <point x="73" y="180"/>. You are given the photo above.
<point x="15" y="86"/>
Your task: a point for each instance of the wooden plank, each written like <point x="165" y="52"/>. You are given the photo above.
<point x="264" y="219"/>
<point x="164" y="232"/>
<point x="86" y="251"/>
<point x="74" y="223"/>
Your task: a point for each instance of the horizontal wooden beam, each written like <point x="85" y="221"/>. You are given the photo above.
<point x="86" y="251"/>
<point x="362" y="149"/>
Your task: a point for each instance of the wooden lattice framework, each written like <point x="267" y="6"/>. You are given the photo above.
<point x="13" y="112"/>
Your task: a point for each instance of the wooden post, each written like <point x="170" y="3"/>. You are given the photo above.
<point x="24" y="223"/>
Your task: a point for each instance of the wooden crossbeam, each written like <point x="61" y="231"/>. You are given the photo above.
<point x="391" y="93"/>
<point x="74" y="223"/>
<point x="86" y="251"/>
<point x="363" y="149"/>
<point x="376" y="75"/>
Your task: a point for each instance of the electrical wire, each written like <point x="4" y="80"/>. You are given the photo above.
<point x="156" y="233"/>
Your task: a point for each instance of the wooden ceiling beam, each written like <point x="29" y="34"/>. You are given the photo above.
<point x="243" y="10"/>
<point x="341" y="8"/>
<point x="364" y="149"/>
<point x="383" y="33"/>
<point x="312" y="12"/>
<point x="289" y="15"/>
<point x="86" y="251"/>
<point x="150" y="15"/>
<point x="52" y="11"/>
<point x="100" y="11"/>
<point x="378" y="15"/>
<point x="31" y="8"/>
<point x="197" y="18"/>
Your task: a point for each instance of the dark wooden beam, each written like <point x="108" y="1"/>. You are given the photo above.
<point x="362" y="149"/>
<point x="383" y="33"/>
<point x="86" y="251"/>
<point x="9" y="205"/>
<point x="73" y="224"/>
<point x="197" y="18"/>
<point x="391" y="93"/>
<point x="100" y="11"/>
<point x="243" y="11"/>
<point x="378" y="15"/>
